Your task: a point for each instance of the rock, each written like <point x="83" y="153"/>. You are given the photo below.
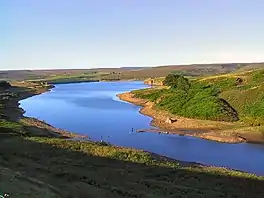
<point x="171" y="120"/>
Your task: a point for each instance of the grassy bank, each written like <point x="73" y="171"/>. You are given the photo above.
<point x="229" y="97"/>
<point x="199" y="101"/>
<point x="89" y="169"/>
<point x="207" y="129"/>
<point x="38" y="163"/>
<point x="244" y="92"/>
<point x="234" y="100"/>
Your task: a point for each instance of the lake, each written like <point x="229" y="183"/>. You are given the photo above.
<point x="94" y="110"/>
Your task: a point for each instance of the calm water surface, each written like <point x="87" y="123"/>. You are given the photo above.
<point x="94" y="110"/>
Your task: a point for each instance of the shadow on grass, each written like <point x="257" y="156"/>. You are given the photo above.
<point x="74" y="169"/>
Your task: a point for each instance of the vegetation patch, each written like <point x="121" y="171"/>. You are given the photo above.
<point x="88" y="169"/>
<point x="248" y="98"/>
<point x="227" y="97"/>
<point x="190" y="99"/>
<point x="9" y="127"/>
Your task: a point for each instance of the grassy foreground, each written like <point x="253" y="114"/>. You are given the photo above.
<point x="86" y="169"/>
<point x="35" y="166"/>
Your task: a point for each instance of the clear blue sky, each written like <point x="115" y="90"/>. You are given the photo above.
<point x="113" y="33"/>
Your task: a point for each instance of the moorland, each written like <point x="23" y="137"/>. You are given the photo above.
<point x="38" y="160"/>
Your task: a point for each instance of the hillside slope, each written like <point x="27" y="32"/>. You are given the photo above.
<point x="243" y="91"/>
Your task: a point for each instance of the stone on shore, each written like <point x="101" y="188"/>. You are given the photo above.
<point x="170" y="120"/>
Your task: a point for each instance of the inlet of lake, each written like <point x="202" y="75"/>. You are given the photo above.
<point x="94" y="110"/>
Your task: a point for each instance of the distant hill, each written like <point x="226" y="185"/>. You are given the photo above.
<point x="189" y="70"/>
<point x="125" y="73"/>
<point x="252" y="66"/>
<point x="133" y="68"/>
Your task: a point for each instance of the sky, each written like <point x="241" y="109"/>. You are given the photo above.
<point x="49" y="34"/>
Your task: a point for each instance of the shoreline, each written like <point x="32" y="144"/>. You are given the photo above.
<point x="34" y="122"/>
<point x="204" y="129"/>
<point x="61" y="133"/>
<point x="70" y="135"/>
<point x="158" y="119"/>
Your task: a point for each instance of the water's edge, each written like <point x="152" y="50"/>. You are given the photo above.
<point x="189" y="162"/>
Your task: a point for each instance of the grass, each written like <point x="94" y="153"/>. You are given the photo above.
<point x="32" y="166"/>
<point x="70" y="78"/>
<point x="248" y="99"/>
<point x="4" y="124"/>
<point x="198" y="102"/>
<point x="20" y="185"/>
<point x="226" y="97"/>
<point x="249" y="104"/>
<point x="88" y="169"/>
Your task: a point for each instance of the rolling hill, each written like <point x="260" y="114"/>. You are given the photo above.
<point x="126" y="73"/>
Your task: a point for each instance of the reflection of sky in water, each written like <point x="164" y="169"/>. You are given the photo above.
<point x="104" y="103"/>
<point x="94" y="109"/>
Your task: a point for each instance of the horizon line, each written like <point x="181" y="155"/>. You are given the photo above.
<point x="138" y="66"/>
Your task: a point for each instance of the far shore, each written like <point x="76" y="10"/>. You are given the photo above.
<point x="225" y="132"/>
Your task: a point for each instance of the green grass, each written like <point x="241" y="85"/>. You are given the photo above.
<point x="53" y="167"/>
<point x="71" y="78"/>
<point x="98" y="149"/>
<point x="150" y="94"/>
<point x="198" y="102"/>
<point x="215" y="98"/>
<point x="249" y="104"/>
<point x="9" y="127"/>
<point x="88" y="169"/>
<point x="68" y="79"/>
<point x="248" y="100"/>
